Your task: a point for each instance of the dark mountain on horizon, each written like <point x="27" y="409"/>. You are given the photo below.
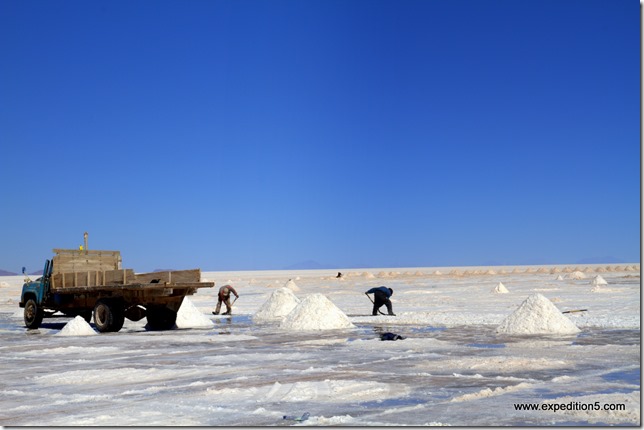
<point x="7" y="273"/>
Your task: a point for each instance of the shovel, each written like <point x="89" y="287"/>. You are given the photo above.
<point x="576" y="310"/>
<point x="373" y="302"/>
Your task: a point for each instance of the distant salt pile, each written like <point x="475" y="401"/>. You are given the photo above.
<point x="437" y="272"/>
<point x="383" y="274"/>
<point x="278" y="305"/>
<point x="291" y="285"/>
<point x="368" y="275"/>
<point x="490" y="272"/>
<point x="577" y="275"/>
<point x="542" y="270"/>
<point x="77" y="327"/>
<point x="567" y="270"/>
<point x="500" y="289"/>
<point x="598" y="280"/>
<point x="4" y="284"/>
<point x="560" y="278"/>
<point x="537" y="315"/>
<point x="419" y="273"/>
<point x="316" y="312"/>
<point x="188" y="316"/>
<point x="555" y="270"/>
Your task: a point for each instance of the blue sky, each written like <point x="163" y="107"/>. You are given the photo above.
<point x="248" y="134"/>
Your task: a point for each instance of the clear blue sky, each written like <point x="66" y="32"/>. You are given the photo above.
<point x="256" y="134"/>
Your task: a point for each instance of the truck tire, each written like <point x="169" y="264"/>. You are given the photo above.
<point x="161" y="318"/>
<point x="108" y="316"/>
<point x="33" y="314"/>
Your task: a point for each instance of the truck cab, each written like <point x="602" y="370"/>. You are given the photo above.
<point x="34" y="295"/>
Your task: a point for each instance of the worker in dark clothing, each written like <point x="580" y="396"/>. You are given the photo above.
<point x="381" y="297"/>
<point x="224" y="296"/>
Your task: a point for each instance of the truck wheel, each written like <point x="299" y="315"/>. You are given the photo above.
<point x="108" y="316"/>
<point x="33" y="314"/>
<point x="161" y="318"/>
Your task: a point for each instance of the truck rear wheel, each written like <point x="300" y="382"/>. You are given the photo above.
<point x="108" y="316"/>
<point x="161" y="318"/>
<point x="33" y="314"/>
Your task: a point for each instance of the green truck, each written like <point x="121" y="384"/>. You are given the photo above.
<point x="93" y="284"/>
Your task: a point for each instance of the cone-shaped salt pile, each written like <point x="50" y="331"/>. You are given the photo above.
<point x="576" y="275"/>
<point x="500" y="289"/>
<point x="189" y="316"/>
<point x="537" y="315"/>
<point x="291" y="285"/>
<point x="560" y="278"/>
<point x="77" y="327"/>
<point x="598" y="280"/>
<point x="280" y="304"/>
<point x="316" y="312"/>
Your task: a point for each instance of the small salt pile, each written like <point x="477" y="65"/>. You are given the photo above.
<point x="437" y="272"/>
<point x="537" y="315"/>
<point x="598" y="280"/>
<point x="4" y="284"/>
<point x="368" y="275"/>
<point x="577" y="275"/>
<point x="500" y="289"/>
<point x="189" y="316"/>
<point x="560" y="278"/>
<point x="291" y="285"/>
<point x="316" y="312"/>
<point x="77" y="327"/>
<point x="278" y="305"/>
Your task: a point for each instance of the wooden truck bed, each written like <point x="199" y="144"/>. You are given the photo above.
<point x="125" y="280"/>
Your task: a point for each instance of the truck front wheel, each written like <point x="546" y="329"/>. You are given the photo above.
<point x="108" y="316"/>
<point x="33" y="314"/>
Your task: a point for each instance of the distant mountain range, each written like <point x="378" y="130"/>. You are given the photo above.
<point x="7" y="273"/>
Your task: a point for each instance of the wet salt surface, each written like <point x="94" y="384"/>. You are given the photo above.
<point x="207" y="377"/>
<point x="241" y="373"/>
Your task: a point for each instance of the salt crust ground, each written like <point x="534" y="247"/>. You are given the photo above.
<point x="449" y="371"/>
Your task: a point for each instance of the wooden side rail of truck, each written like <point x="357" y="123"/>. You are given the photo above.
<point x="92" y="283"/>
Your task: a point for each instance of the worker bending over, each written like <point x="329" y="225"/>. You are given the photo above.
<point x="381" y="297"/>
<point x="224" y="296"/>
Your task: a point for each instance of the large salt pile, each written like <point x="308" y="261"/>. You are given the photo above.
<point x="291" y="285"/>
<point x="500" y="289"/>
<point x="316" y="312"/>
<point x="278" y="305"/>
<point x="188" y="316"/>
<point x="537" y="315"/>
<point x="77" y="327"/>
